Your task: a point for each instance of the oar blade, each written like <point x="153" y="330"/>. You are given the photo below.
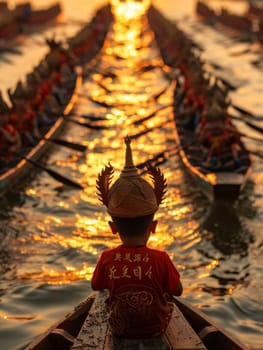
<point x="87" y="125"/>
<point x="71" y="145"/>
<point x="52" y="173"/>
<point x="63" y="179"/>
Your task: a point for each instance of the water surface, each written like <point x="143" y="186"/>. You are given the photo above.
<point x="51" y="236"/>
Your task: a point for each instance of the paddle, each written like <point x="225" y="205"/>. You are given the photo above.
<point x="151" y="115"/>
<point x="84" y="116"/>
<point x="153" y="98"/>
<point x="91" y="117"/>
<point x="139" y="134"/>
<point x="68" y="144"/>
<point x="248" y="123"/>
<point x="160" y="157"/>
<point x="109" y="105"/>
<point x="105" y="74"/>
<point x="149" y="161"/>
<point x="148" y="68"/>
<point x="250" y="137"/>
<point x="159" y="94"/>
<point x="101" y="103"/>
<point x="51" y="172"/>
<point x="256" y="153"/>
<point x="14" y="51"/>
<point x="246" y="112"/>
<point x="86" y="125"/>
<point x="6" y="60"/>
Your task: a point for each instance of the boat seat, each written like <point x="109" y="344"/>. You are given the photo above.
<point x="96" y="333"/>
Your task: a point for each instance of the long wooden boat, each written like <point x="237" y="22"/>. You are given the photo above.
<point x="217" y="183"/>
<point x="88" y="41"/>
<point x="39" y="17"/>
<point x="15" y="174"/>
<point x="86" y="327"/>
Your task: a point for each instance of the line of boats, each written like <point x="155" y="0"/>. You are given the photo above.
<point x="86" y="327"/>
<point x="223" y="182"/>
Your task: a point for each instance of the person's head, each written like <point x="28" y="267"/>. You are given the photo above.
<point x="131" y="201"/>
<point x="141" y="226"/>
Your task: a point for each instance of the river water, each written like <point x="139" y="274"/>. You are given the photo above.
<point x="51" y="236"/>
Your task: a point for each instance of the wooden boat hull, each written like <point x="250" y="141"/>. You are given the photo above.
<point x="222" y="184"/>
<point x="23" y="168"/>
<point x="86" y="327"/>
<point x="225" y="180"/>
<point x="43" y="16"/>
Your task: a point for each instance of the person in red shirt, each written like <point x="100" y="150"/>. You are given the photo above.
<point x="141" y="280"/>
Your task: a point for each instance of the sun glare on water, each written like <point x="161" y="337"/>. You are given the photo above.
<point x="129" y="9"/>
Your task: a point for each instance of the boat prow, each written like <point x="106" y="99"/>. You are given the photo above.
<point x="87" y="327"/>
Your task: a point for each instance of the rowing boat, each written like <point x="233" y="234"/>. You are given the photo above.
<point x="40" y="17"/>
<point x="218" y="183"/>
<point x="22" y="168"/>
<point x="88" y="41"/>
<point x="223" y="182"/>
<point x="87" y="327"/>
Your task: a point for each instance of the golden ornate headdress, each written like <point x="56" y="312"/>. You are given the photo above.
<point x="131" y="195"/>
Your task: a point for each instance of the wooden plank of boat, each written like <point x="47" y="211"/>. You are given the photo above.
<point x="15" y="174"/>
<point x="86" y="327"/>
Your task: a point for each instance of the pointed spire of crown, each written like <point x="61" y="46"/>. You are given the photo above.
<point x="129" y="168"/>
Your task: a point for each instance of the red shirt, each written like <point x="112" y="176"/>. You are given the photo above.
<point x="139" y="280"/>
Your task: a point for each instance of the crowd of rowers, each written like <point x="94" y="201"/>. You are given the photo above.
<point x="36" y="102"/>
<point x="201" y="101"/>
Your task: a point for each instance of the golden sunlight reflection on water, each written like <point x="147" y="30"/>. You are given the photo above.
<point x="125" y="11"/>
<point x="60" y="233"/>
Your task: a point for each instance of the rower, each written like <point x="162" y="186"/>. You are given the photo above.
<point x="10" y="140"/>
